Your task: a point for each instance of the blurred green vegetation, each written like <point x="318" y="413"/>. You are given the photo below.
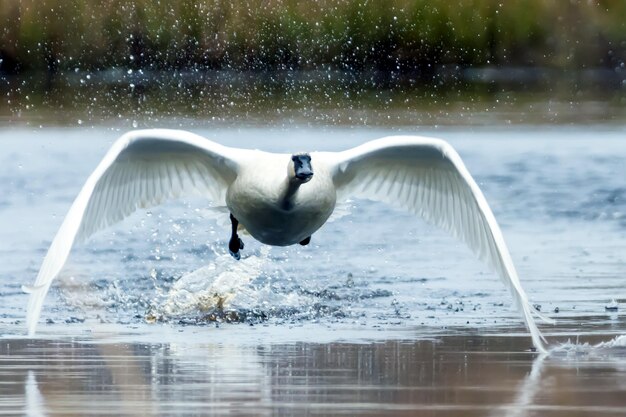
<point x="401" y="36"/>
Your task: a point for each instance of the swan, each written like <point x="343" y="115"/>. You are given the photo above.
<point x="283" y="199"/>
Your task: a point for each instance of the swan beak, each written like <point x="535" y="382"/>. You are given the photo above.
<point x="304" y="175"/>
<point x="302" y="167"/>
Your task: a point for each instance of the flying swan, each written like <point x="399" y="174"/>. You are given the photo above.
<point x="282" y="199"/>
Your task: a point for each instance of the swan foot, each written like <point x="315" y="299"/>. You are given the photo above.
<point x="235" y="243"/>
<point x="306" y="241"/>
<point x="234" y="246"/>
<point x="235" y="255"/>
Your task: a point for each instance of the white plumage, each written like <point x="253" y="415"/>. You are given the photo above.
<point x="145" y="168"/>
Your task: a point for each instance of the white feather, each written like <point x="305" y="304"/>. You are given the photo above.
<point x="427" y="177"/>
<point x="143" y="168"/>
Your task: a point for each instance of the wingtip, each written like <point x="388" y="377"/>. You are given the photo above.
<point x="31" y="324"/>
<point x="542" y="316"/>
<point x="35" y="303"/>
<point x="30" y="289"/>
<point x="539" y="340"/>
<point x="541" y="349"/>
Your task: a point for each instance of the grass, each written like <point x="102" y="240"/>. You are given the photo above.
<point x="385" y="35"/>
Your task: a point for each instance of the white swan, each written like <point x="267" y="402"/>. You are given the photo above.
<point x="282" y="199"/>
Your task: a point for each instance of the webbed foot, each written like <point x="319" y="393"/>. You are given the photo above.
<point x="306" y="241"/>
<point x="235" y="243"/>
<point x="234" y="246"/>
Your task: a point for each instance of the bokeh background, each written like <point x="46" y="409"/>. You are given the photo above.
<point x="149" y="62"/>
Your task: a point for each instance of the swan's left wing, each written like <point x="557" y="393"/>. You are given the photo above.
<point x="427" y="177"/>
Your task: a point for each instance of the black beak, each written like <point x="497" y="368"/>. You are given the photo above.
<point x="304" y="175"/>
<point x="302" y="167"/>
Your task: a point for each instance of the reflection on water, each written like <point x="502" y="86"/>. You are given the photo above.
<point x="454" y="376"/>
<point x="528" y="389"/>
<point x="33" y="398"/>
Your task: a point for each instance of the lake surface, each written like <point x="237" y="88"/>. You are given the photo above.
<point x="381" y="315"/>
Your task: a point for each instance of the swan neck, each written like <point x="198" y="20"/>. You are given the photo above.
<point x="287" y="197"/>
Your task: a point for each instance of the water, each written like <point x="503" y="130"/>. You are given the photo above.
<point x="382" y="314"/>
<point x="452" y="376"/>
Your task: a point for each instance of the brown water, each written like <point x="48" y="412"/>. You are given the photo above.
<point x="447" y="376"/>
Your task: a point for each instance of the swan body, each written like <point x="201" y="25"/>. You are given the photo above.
<point x="269" y="211"/>
<point x="282" y="199"/>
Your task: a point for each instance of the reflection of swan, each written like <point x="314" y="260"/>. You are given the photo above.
<point x="137" y="379"/>
<point x="282" y="199"/>
<point x="34" y="400"/>
<point x="604" y="352"/>
<point x="527" y="390"/>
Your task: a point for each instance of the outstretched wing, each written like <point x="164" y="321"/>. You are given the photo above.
<point x="427" y="177"/>
<point x="142" y="169"/>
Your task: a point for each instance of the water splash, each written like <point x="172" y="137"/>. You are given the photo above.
<point x="221" y="285"/>
<point x="613" y="347"/>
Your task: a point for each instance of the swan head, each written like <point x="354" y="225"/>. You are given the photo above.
<point x="300" y="168"/>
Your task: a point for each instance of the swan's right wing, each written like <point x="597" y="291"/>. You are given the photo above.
<point x="142" y="169"/>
